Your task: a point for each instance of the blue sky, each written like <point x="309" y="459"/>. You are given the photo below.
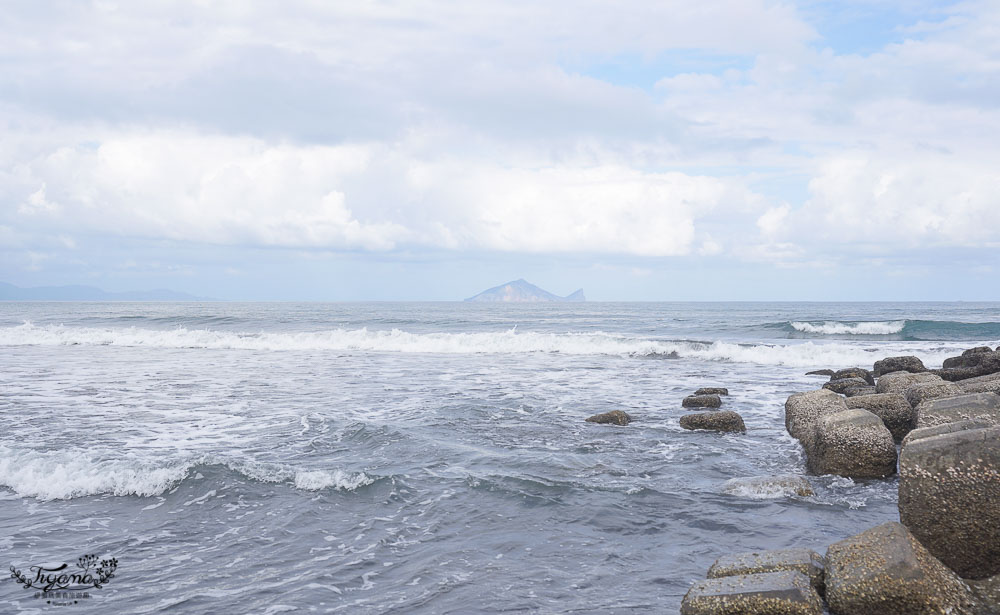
<point x="728" y="149"/>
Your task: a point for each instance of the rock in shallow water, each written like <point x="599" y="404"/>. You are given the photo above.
<point x="773" y="593"/>
<point x="885" y="570"/>
<point x="853" y="443"/>
<point x="804" y="410"/>
<point x="768" y="487"/>
<point x="615" y="417"/>
<point x="806" y="561"/>
<point x="949" y="497"/>
<point x="712" y="391"/>
<point x="724" y="420"/>
<point x="702" y="401"/>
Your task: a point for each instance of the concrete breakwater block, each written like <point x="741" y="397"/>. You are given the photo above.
<point x="926" y="391"/>
<point x="970" y="406"/>
<point x="787" y="592"/>
<point x="896" y="413"/>
<point x="615" y="417"/>
<point x="898" y="364"/>
<point x="806" y="561"/>
<point x="702" y="401"/>
<point x="804" y="410"/>
<point x="853" y="443"/>
<point x="886" y="570"/>
<point x="712" y="391"/>
<point x="723" y="420"/>
<point x="841" y="385"/>
<point x="949" y="497"/>
<point x="898" y="382"/>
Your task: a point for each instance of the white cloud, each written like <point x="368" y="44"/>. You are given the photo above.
<point x="230" y="190"/>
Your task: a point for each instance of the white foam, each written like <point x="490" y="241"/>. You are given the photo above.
<point x="808" y="354"/>
<point x="765" y="487"/>
<point x="858" y="328"/>
<point x="61" y="475"/>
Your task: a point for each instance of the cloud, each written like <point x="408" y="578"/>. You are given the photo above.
<point x="244" y="191"/>
<point x="421" y="127"/>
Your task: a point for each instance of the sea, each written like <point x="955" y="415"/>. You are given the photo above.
<point x="263" y="458"/>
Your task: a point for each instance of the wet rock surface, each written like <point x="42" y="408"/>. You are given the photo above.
<point x="853" y="443"/>
<point x="615" y="417"/>
<point x="702" y="401"/>
<point x="723" y="420"/>
<point x="949" y="497"/>
<point x="896" y="413"/>
<point x="899" y="382"/>
<point x="842" y="384"/>
<point x="926" y="391"/>
<point x="804" y="410"/>
<point x="806" y="561"/>
<point x="854" y="372"/>
<point x="898" y="364"/>
<point x="886" y="570"/>
<point x="983" y="407"/>
<point x="786" y="592"/>
<point x="712" y="391"/>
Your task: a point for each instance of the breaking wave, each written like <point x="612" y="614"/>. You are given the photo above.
<point x="60" y="475"/>
<point x="803" y="354"/>
<point x="857" y="328"/>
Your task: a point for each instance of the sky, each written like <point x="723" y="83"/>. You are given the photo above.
<point x="424" y="150"/>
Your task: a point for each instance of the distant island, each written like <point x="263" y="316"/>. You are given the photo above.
<point x="520" y="291"/>
<point x="9" y="292"/>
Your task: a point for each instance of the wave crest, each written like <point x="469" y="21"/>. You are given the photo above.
<point x="60" y="475"/>
<point x="857" y="328"/>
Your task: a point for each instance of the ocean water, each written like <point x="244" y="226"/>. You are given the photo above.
<point x="421" y="457"/>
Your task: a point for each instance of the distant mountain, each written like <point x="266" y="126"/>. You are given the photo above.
<point x="9" y="292"/>
<point x="520" y="291"/>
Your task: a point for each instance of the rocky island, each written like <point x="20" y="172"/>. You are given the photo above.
<point x="521" y="291"/>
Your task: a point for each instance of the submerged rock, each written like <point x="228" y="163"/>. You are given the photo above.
<point x="712" y="391"/>
<point x="806" y="561"/>
<point x="885" y="571"/>
<point x="615" y="417"/>
<point x="723" y="420"/>
<point x="896" y="413"/>
<point x="787" y="592"/>
<point x="898" y="364"/>
<point x="702" y="401"/>
<point x="853" y="443"/>
<point x="984" y="407"/>
<point x="898" y="382"/>
<point x="769" y="487"/>
<point x="949" y="497"/>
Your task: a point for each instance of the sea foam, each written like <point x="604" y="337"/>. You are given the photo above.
<point x="61" y="475"/>
<point x="857" y="328"/>
<point x="807" y="354"/>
